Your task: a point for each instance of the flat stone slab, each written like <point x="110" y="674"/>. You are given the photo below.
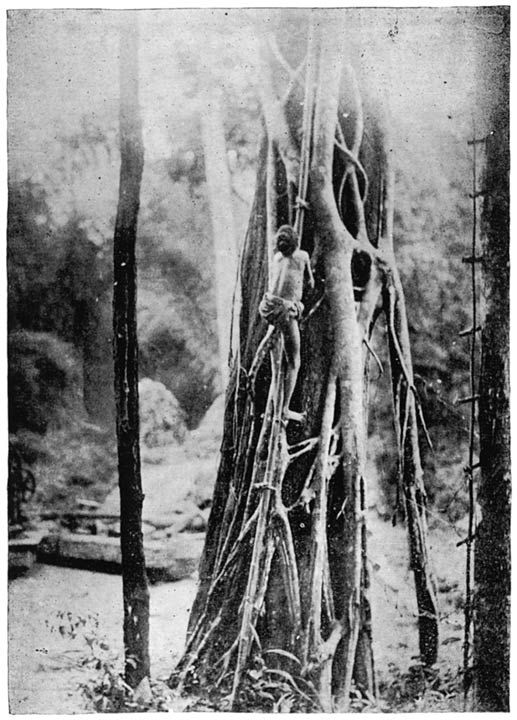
<point x="21" y="560"/>
<point x="174" y="559"/>
<point x="22" y="544"/>
<point x="22" y="551"/>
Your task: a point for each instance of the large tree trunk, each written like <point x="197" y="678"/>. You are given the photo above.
<point x="134" y="579"/>
<point x="492" y="545"/>
<point x="283" y="574"/>
<point x="221" y="213"/>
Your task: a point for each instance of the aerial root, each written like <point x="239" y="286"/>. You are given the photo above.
<point x="405" y="372"/>
<point x="302" y="448"/>
<point x="266" y="345"/>
<point x="194" y="655"/>
<point x="373" y="354"/>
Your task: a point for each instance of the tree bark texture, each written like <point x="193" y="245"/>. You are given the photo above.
<point x="134" y="579"/>
<point x="284" y="575"/>
<point x="492" y="569"/>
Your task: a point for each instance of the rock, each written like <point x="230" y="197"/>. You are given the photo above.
<point x="143" y="694"/>
<point x="195" y="523"/>
<point x="84" y="530"/>
<point x="206" y="438"/>
<point x="29" y="538"/>
<point x="93" y="547"/>
<point x="147" y="529"/>
<point x="162" y="420"/>
<point x="102" y="527"/>
<point x="48" y="545"/>
<point x="85" y="504"/>
<point x="161" y="535"/>
<point x="20" y="561"/>
<point x="114" y="530"/>
<point x="203" y="486"/>
<point x="48" y="527"/>
<point x="23" y="552"/>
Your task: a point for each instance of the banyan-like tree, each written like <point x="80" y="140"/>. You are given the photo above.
<point x="284" y="573"/>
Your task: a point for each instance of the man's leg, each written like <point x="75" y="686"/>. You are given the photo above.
<point x="291" y="332"/>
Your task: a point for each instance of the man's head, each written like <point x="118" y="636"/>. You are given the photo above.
<point x="286" y="240"/>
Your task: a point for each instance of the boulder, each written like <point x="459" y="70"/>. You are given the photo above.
<point x="207" y="437"/>
<point x="23" y="551"/>
<point x="204" y="480"/>
<point x="162" y="420"/>
<point x="195" y="523"/>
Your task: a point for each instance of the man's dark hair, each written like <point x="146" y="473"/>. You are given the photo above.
<point x="286" y="240"/>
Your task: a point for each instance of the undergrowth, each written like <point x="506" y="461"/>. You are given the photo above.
<point x="421" y="689"/>
<point x="263" y="689"/>
<point x="104" y="687"/>
<point x="273" y="690"/>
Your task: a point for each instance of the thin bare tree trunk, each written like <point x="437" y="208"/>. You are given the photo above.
<point x="134" y="579"/>
<point x="412" y="500"/>
<point x="492" y="541"/>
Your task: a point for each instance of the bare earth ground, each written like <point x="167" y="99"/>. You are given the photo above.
<point x="44" y="669"/>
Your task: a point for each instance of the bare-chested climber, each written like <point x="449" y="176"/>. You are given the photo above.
<point x="282" y="306"/>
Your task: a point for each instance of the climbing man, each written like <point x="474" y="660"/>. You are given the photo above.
<point x="282" y="306"/>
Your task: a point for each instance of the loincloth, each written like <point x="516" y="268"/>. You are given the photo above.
<point x="276" y="310"/>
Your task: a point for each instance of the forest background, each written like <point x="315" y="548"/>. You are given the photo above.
<point x="63" y="163"/>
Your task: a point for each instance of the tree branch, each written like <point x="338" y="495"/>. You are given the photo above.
<point x="319" y="519"/>
<point x="275" y="50"/>
<point x="276" y="123"/>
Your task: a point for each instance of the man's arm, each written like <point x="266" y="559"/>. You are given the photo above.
<point x="275" y="271"/>
<point x="309" y="270"/>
